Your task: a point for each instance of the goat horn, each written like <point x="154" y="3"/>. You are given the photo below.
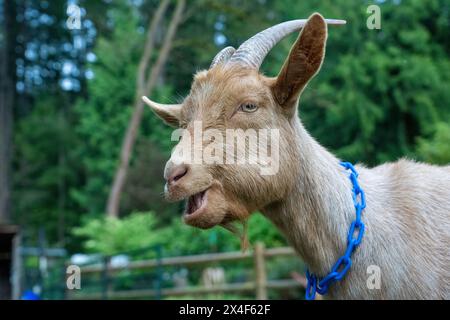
<point x="160" y="108"/>
<point x="253" y="51"/>
<point x="223" y="56"/>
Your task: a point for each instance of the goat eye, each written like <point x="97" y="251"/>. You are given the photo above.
<point x="248" y="107"/>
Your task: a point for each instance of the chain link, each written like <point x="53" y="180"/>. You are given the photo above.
<point x="354" y="238"/>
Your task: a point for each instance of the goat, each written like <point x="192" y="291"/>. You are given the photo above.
<point x="309" y="198"/>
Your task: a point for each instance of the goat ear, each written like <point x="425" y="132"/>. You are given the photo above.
<point x="170" y="113"/>
<point x="304" y="61"/>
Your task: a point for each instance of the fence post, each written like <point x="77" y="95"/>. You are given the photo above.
<point x="260" y="272"/>
<point x="17" y="267"/>
<point x="159" y="273"/>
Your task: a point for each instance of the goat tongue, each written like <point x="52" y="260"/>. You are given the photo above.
<point x="190" y="205"/>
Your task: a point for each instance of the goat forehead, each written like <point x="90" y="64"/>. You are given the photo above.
<point x="217" y="91"/>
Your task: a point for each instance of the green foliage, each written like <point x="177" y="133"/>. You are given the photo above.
<point x="436" y="148"/>
<point x="44" y="168"/>
<point x="110" y="236"/>
<point x="180" y="239"/>
<point x="190" y="240"/>
<point x="103" y="117"/>
<point x="261" y="229"/>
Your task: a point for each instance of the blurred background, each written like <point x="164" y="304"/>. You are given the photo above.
<point x="81" y="159"/>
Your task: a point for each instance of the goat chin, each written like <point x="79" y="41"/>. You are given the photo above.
<point x="216" y="208"/>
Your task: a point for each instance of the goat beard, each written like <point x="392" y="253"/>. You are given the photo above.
<point x="240" y="232"/>
<point x="236" y="219"/>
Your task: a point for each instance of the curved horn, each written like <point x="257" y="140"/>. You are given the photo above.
<point x="253" y="51"/>
<point x="170" y="113"/>
<point x="222" y="56"/>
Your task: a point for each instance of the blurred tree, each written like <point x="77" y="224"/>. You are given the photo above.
<point x="146" y="81"/>
<point x="49" y="61"/>
<point x="145" y="183"/>
<point x="103" y="115"/>
<point x="7" y="95"/>
<point x="41" y="199"/>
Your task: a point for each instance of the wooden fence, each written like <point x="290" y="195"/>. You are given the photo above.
<point x="259" y="285"/>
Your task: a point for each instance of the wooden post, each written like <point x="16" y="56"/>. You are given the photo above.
<point x="17" y="268"/>
<point x="260" y="272"/>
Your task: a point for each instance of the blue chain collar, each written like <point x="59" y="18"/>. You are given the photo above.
<point x="344" y="263"/>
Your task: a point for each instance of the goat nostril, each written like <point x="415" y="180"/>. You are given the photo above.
<point x="181" y="175"/>
<point x="177" y="174"/>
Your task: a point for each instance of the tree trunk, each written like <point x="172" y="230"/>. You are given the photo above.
<point x="7" y="93"/>
<point x="144" y="86"/>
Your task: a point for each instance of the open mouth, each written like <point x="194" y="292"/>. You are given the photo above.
<point x="207" y="208"/>
<point x="195" y="203"/>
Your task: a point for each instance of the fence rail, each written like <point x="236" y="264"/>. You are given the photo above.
<point x="259" y="285"/>
<point x="190" y="260"/>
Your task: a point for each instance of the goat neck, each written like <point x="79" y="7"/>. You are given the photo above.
<point x="316" y="212"/>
